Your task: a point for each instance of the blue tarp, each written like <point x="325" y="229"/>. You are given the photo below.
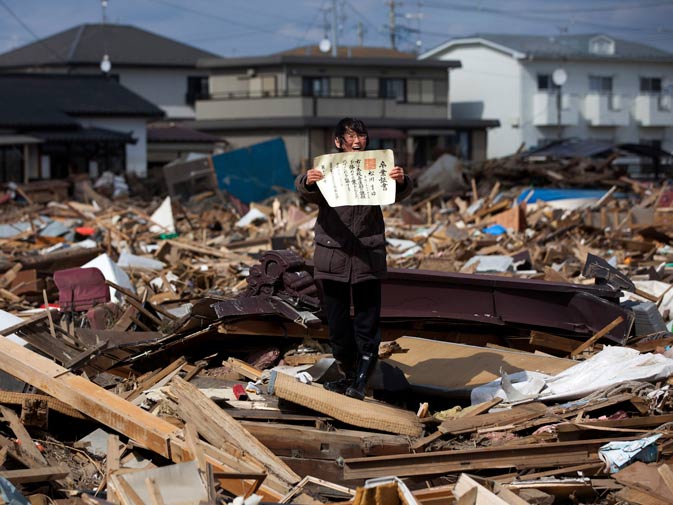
<point x="251" y="173"/>
<point x="550" y="194"/>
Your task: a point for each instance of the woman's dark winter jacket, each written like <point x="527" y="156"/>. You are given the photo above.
<point x="350" y="243"/>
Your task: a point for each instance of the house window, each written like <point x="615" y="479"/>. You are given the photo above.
<point x="421" y="91"/>
<point x="650" y="85"/>
<point x="600" y="84"/>
<point x="315" y="86"/>
<point x="351" y="87"/>
<point x="392" y="88"/>
<point x="546" y="83"/>
<point x="197" y="88"/>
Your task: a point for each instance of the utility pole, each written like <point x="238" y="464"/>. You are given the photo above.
<point x="103" y="5"/>
<point x="391" y="22"/>
<point x="361" y="34"/>
<point x="335" y="44"/>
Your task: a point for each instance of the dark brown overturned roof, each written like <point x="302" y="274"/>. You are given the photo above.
<point x="329" y="122"/>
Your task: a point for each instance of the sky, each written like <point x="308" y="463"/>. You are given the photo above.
<point x="259" y="27"/>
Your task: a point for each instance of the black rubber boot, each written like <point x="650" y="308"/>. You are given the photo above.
<point x="341" y="385"/>
<point x="365" y="368"/>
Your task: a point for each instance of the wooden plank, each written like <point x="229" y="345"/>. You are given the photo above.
<point x="242" y="368"/>
<point x="154" y="378"/>
<point x="601" y="333"/>
<point x="516" y="414"/>
<point x="307" y="442"/>
<point x="472" y="410"/>
<point x="468" y="487"/>
<point x="25" y="440"/>
<point x="217" y="426"/>
<point x="112" y="463"/>
<point x="40" y="474"/>
<point x="563" y="471"/>
<point x="666" y="474"/>
<point x="549" y="341"/>
<point x="25" y="323"/>
<point x="192" y="439"/>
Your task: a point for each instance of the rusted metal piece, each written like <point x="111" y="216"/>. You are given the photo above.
<point x="281" y="284"/>
<point x="541" y="455"/>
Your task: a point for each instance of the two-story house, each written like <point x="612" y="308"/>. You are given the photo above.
<point x="544" y="88"/>
<point x="302" y="94"/>
<point x="161" y="70"/>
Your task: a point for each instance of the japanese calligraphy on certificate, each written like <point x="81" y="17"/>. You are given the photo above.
<point x="357" y="178"/>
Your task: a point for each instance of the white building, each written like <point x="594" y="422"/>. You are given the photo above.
<point x="614" y="90"/>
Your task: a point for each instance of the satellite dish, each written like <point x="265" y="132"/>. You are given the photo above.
<point x="325" y="45"/>
<point x="105" y="64"/>
<point x="559" y="76"/>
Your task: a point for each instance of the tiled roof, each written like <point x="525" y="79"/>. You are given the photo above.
<point x="567" y="47"/>
<point x="44" y="100"/>
<point x="86" y="44"/>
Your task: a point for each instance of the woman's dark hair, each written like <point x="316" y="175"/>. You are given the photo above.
<point x="349" y="123"/>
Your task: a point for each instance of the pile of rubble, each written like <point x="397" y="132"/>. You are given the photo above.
<point x="170" y="352"/>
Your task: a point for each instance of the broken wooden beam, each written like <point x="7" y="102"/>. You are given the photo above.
<point x="39" y="474"/>
<point x="216" y="426"/>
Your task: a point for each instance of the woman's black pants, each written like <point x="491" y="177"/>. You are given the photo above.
<point x="362" y="334"/>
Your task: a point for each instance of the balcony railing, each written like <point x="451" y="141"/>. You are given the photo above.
<point x="545" y="110"/>
<point x="605" y="109"/>
<point x="654" y="109"/>
<point x="235" y="105"/>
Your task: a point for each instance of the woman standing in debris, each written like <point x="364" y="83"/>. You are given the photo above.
<point x="350" y="261"/>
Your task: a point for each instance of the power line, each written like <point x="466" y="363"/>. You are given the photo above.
<point x="572" y="10"/>
<point x="524" y="15"/>
<point x="322" y="7"/>
<point x="211" y="15"/>
<point x="660" y="3"/>
<point x="59" y="57"/>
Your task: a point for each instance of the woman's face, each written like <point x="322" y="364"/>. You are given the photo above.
<point x="351" y="142"/>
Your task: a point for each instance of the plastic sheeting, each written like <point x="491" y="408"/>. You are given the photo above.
<point x="611" y="366"/>
<point x="251" y="173"/>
